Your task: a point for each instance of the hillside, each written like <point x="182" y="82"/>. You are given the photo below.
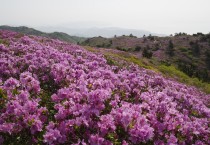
<point x="53" y="92"/>
<point x="55" y="35"/>
<point x="188" y="53"/>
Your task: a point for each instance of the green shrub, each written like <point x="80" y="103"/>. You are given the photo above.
<point x="122" y="49"/>
<point x="146" y="53"/>
<point x="5" y="42"/>
<point x="110" y="61"/>
<point x="173" y="72"/>
<point x="183" y="49"/>
<point x="137" y="48"/>
<point x="170" y="49"/>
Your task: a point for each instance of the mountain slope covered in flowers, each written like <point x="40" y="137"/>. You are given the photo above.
<point x="52" y="92"/>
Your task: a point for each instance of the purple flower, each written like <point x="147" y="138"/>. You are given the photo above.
<point x="172" y="139"/>
<point x="106" y="124"/>
<point x="11" y="84"/>
<point x="81" y="99"/>
<point x="30" y="83"/>
<point x="6" y="127"/>
<point x="96" y="140"/>
<point x="52" y="136"/>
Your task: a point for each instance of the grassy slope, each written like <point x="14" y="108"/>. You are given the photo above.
<point x="119" y="58"/>
<point x="185" y="57"/>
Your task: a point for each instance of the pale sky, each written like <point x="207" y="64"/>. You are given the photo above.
<point x="157" y="16"/>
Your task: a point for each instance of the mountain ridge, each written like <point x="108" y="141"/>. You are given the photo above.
<point x="54" y="35"/>
<point x="107" y="32"/>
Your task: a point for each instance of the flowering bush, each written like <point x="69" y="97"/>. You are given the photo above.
<point x="53" y="92"/>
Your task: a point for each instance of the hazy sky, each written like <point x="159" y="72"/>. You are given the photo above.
<point x="158" y="16"/>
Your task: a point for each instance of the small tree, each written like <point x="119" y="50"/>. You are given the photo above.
<point x="131" y="35"/>
<point x="137" y="48"/>
<point x="207" y="59"/>
<point x="157" y="47"/>
<point x="170" y="49"/>
<point x="146" y="53"/>
<point x="195" y="49"/>
<point x="110" y="41"/>
<point x="150" y="37"/>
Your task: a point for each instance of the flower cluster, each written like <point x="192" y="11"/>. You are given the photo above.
<point x="58" y="93"/>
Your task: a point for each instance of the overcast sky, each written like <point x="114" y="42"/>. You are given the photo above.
<point x="158" y="16"/>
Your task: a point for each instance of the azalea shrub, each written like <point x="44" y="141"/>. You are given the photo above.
<point x="52" y="92"/>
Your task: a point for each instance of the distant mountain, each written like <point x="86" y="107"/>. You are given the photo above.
<point x="55" y="35"/>
<point x="107" y="32"/>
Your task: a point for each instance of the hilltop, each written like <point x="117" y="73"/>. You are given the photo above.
<point x="188" y="53"/>
<point x="55" y="35"/>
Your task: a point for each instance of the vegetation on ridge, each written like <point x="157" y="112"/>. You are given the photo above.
<point x="188" y="53"/>
<point x="55" y="35"/>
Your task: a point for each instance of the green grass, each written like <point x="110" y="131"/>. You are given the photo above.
<point x="171" y="71"/>
<point x="110" y="61"/>
<point x="91" y="49"/>
<point x="5" y="42"/>
<point x="183" y="49"/>
<point x="130" y="59"/>
<point x="168" y="71"/>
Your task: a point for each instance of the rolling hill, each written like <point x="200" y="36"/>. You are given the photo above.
<point x="54" y="92"/>
<point x="55" y="35"/>
<point x="188" y="53"/>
